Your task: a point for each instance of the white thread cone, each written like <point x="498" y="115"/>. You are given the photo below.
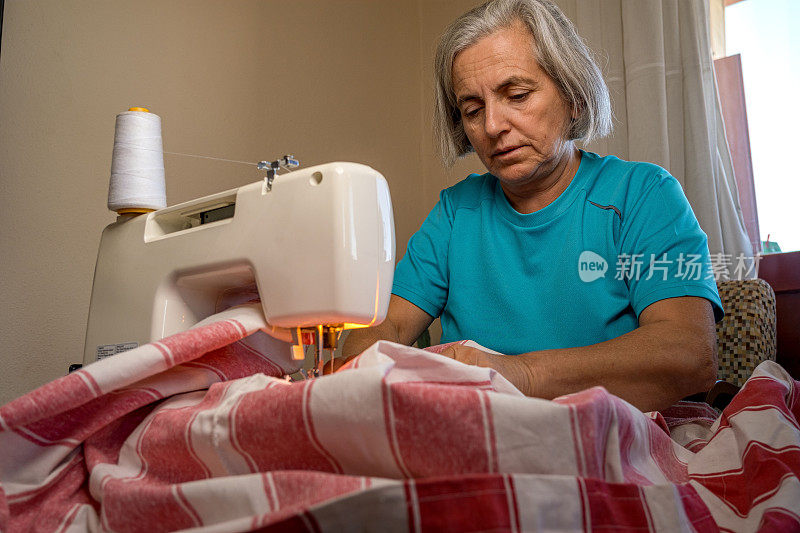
<point x="137" y="163"/>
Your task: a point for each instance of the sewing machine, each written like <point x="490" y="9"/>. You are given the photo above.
<point x="318" y="244"/>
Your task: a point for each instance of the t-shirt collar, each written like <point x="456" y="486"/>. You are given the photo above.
<point x="555" y="208"/>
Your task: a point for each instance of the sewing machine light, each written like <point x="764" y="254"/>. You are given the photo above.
<point x="323" y="337"/>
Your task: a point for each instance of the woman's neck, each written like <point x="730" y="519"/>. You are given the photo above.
<point x="540" y="193"/>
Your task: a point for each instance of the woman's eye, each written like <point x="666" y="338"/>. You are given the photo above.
<point x="471" y="112"/>
<point x="518" y="96"/>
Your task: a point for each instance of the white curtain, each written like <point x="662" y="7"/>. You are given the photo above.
<point x="656" y="59"/>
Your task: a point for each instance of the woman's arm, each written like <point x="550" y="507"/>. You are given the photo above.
<point x="404" y="323"/>
<point x="671" y="355"/>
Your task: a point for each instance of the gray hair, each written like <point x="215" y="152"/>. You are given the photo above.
<point x="559" y="51"/>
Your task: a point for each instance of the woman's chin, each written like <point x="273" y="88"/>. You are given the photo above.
<point x="515" y="174"/>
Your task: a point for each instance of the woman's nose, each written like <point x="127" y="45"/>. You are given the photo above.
<point x="495" y="120"/>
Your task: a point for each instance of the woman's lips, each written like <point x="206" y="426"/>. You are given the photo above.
<point x="507" y="151"/>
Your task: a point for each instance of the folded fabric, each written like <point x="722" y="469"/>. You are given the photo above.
<point x="200" y="430"/>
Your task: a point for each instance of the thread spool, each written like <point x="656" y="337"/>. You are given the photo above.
<point x="137" y="163"/>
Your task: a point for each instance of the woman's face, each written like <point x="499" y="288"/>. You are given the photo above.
<point x="513" y="114"/>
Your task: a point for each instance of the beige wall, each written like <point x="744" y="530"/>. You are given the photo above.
<point x="240" y="79"/>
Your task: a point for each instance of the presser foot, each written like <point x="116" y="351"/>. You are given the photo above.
<point x="325" y="338"/>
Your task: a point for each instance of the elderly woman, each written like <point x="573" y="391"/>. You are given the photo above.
<point x="580" y="270"/>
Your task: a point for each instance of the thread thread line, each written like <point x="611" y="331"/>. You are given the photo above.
<point x="214" y="158"/>
<point x="189" y="155"/>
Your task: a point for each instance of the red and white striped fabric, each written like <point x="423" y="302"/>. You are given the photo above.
<point x="198" y="431"/>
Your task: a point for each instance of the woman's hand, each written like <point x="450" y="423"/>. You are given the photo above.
<point x="468" y="355"/>
<point x="512" y="367"/>
<point x="328" y="368"/>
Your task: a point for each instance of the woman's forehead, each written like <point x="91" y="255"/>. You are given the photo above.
<point x="505" y="53"/>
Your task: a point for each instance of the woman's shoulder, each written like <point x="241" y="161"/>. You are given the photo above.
<point x="612" y="175"/>
<point x="624" y="183"/>
<point x="613" y="166"/>
<point x="470" y="192"/>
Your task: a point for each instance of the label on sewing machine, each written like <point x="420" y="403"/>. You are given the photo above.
<point x="107" y="350"/>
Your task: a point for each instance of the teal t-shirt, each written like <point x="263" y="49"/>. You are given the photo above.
<point x="577" y="272"/>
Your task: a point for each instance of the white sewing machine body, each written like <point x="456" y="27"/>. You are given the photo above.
<point x="319" y="247"/>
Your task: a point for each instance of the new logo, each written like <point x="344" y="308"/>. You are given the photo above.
<point x="591" y="266"/>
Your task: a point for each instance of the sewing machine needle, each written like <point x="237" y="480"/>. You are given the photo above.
<point x="320" y="358"/>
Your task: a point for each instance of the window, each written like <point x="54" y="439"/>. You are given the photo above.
<point x="761" y="31"/>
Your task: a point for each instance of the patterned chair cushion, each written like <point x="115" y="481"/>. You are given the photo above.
<point x="746" y="336"/>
